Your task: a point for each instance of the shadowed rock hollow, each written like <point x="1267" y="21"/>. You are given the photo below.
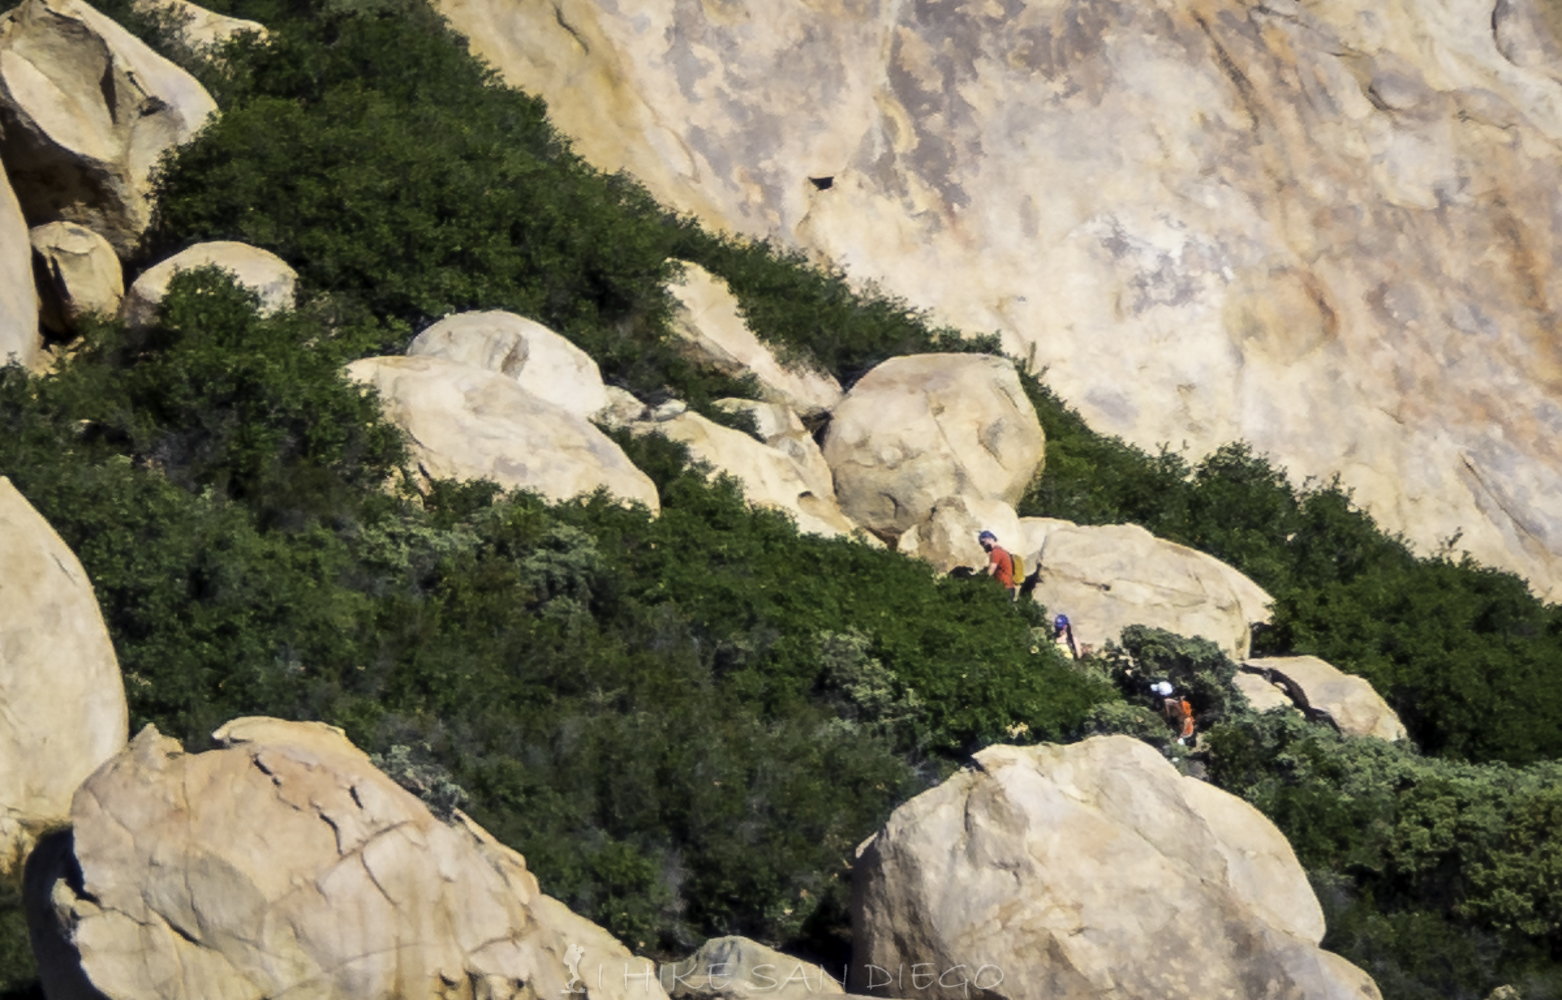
<point x="1327" y="228"/>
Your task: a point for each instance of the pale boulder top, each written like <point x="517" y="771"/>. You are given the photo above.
<point x="543" y="362"/>
<point x="708" y="320"/>
<point x="921" y="428"/>
<point x="63" y="701"/>
<point x="1106" y="577"/>
<point x="261" y="271"/>
<point x="1318" y="687"/>
<point x="469" y="423"/>
<point x="32" y="73"/>
<point x="1097" y="870"/>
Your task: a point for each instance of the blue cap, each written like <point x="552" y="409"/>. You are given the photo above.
<point x="986" y="534"/>
<point x="1061" y="621"/>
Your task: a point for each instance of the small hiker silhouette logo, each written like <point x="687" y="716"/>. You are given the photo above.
<point x="572" y="956"/>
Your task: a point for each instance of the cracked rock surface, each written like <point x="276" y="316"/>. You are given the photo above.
<point x="285" y="865"/>
<point x="1085" y="871"/>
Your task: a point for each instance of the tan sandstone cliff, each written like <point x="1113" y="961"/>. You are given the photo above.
<point x="1325" y="227"/>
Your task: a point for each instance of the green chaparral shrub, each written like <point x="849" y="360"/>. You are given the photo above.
<point x="686" y="723"/>
<point x="1438" y="877"/>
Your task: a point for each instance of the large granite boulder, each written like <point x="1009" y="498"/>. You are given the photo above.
<point x="1087" y="871"/>
<point x="542" y="362"/>
<point x="919" y="429"/>
<point x="1108" y="577"/>
<point x="707" y="320"/>
<point x="769" y="476"/>
<point x="260" y="271"/>
<point x="468" y="423"/>
<point x="78" y="275"/>
<point x="737" y="968"/>
<point x="87" y="110"/>
<point x="284" y="864"/>
<point x="1324" y="228"/>
<point x="62" y="702"/>
<point x="20" y="340"/>
<point x="1325" y="692"/>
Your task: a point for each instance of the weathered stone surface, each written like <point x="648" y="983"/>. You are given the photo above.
<point x="200" y="28"/>
<point x="707" y="320"/>
<point x="947" y="539"/>
<point x="87" y="110"/>
<point x="1324" y="691"/>
<point x="78" y="274"/>
<point x="1327" y="228"/>
<point x="284" y="864"/>
<point x="780" y="427"/>
<point x="737" y="968"/>
<point x="261" y="271"/>
<point x="770" y="477"/>
<point x="919" y="429"/>
<point x="469" y="423"/>
<point x="62" y="702"/>
<point x="1262" y="693"/>
<point x="1085" y="871"/>
<point x="1108" y="577"/>
<point x="541" y="361"/>
<point x="19" y="337"/>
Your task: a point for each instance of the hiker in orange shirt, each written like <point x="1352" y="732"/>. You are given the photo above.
<point x="1000" y="565"/>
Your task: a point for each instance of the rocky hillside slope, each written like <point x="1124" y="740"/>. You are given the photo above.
<point x="1326" y="228"/>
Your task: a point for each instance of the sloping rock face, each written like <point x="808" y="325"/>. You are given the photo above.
<point x="62" y="702"/>
<point x="738" y="968"/>
<point x="87" y="110"/>
<point x="770" y="477"/>
<point x="468" y="423"/>
<point x="1085" y="871"/>
<point x="1327" y="228"/>
<point x="919" y="429"/>
<point x="261" y="271"/>
<point x="1322" y="690"/>
<point x="1111" y="576"/>
<point x="78" y="273"/>
<point x="19" y="337"/>
<point x="707" y="320"/>
<point x="541" y="361"/>
<point x="286" y="865"/>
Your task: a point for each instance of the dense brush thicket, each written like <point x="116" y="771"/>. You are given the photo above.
<point x="686" y="723"/>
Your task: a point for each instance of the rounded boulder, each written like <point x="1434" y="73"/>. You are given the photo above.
<point x="918" y="429"/>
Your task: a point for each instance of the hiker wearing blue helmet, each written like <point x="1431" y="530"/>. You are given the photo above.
<point x="1000" y="565"/>
<point x="1063" y="637"/>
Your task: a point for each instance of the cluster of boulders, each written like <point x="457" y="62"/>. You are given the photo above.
<point x="86" y="112"/>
